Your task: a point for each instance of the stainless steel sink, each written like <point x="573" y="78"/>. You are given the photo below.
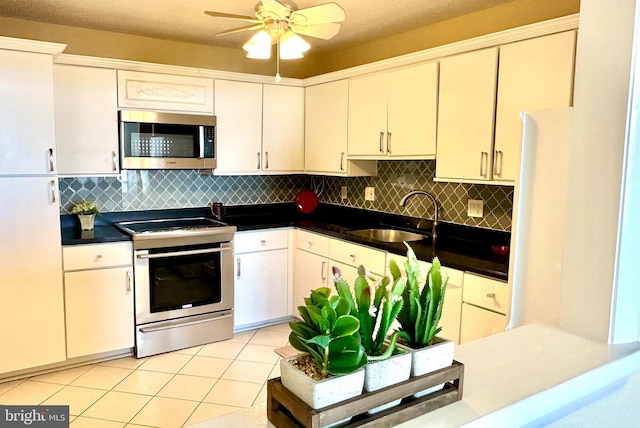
<point x="387" y="235"/>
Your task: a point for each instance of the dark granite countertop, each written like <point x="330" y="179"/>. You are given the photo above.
<point x="457" y="247"/>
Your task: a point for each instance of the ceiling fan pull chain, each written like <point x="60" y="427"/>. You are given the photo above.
<point x="278" y="78"/>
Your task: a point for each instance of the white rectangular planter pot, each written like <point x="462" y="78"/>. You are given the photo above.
<point x="429" y="359"/>
<point x="320" y="393"/>
<point x="380" y="374"/>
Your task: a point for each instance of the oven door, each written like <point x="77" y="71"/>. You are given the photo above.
<point x="177" y="282"/>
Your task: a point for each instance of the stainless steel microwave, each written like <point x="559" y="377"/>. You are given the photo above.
<point x="153" y="140"/>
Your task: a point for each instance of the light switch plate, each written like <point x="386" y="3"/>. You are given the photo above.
<point x="369" y="193"/>
<point x="475" y="208"/>
<point x="343" y="192"/>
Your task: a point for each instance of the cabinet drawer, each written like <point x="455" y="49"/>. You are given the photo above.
<point x="477" y="323"/>
<point x="356" y="255"/>
<point x="487" y="293"/>
<point x="92" y="256"/>
<point x="312" y="242"/>
<point x="247" y="242"/>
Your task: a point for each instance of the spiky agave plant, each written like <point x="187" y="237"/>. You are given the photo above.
<point x="328" y="333"/>
<point x="420" y="316"/>
<point x="375" y="316"/>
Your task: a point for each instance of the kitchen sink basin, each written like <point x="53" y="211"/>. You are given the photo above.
<point x="387" y="235"/>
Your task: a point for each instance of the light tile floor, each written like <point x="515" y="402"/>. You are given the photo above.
<point x="176" y="389"/>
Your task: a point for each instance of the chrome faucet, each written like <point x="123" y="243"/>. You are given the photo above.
<point x="403" y="202"/>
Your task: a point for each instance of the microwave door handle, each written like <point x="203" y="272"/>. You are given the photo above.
<point x="201" y="139"/>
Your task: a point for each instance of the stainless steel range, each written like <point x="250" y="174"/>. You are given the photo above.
<point x="183" y="270"/>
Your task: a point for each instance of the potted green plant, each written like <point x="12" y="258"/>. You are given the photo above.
<point x="386" y="365"/>
<point x="419" y="318"/>
<point x="331" y="370"/>
<point x="86" y="212"/>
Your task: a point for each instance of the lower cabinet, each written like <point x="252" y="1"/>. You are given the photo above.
<point x="261" y="262"/>
<point x="478" y="323"/>
<point x="311" y="268"/>
<point x="486" y="304"/>
<point x="98" y="286"/>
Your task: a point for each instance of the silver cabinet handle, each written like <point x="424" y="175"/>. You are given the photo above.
<point x="238" y="266"/>
<point x="258" y="159"/>
<point x="182" y="253"/>
<point x="484" y="157"/>
<point x="497" y="160"/>
<point x="114" y="157"/>
<point x="222" y="316"/>
<point x="389" y="142"/>
<point x="53" y="191"/>
<point x="322" y="268"/>
<point x="381" y="138"/>
<point x="128" y="280"/>
<point x="51" y="161"/>
<point x="342" y="161"/>
<point x="266" y="160"/>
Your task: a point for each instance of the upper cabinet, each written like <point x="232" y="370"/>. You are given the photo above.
<point x="151" y="91"/>
<point x="326" y="110"/>
<point x="534" y="74"/>
<point x="393" y="115"/>
<point x="260" y="128"/>
<point x="86" y="118"/>
<point x="531" y="74"/>
<point x="466" y="115"/>
<point x="27" y="129"/>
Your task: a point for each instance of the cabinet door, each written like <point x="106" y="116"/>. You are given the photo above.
<point x="99" y="311"/>
<point x="477" y="323"/>
<point x="534" y="74"/>
<point x="466" y="111"/>
<point x="452" y="308"/>
<point x="239" y="126"/>
<point x="367" y="116"/>
<point x="86" y="120"/>
<point x="31" y="307"/>
<point x="283" y="129"/>
<point x="413" y="111"/>
<point x="310" y="271"/>
<point x="27" y="129"/>
<point x="326" y="109"/>
<point x="260" y="287"/>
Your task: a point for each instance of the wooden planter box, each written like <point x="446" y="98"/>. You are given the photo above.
<point x="285" y="410"/>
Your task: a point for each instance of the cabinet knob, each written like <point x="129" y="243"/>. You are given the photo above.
<point x="263" y="241"/>
<point x="98" y="256"/>
<point x="491" y="295"/>
<point x="353" y="256"/>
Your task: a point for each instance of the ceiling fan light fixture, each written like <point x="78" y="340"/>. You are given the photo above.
<point x="292" y="46"/>
<point x="259" y="46"/>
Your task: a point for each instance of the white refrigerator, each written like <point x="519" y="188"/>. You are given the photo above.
<point x="539" y="217"/>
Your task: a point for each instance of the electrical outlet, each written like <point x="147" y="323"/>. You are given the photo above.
<point x="475" y="208"/>
<point x="369" y="193"/>
<point x="343" y="192"/>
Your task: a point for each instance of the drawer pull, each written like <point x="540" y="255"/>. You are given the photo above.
<point x="310" y="244"/>
<point x="128" y="280"/>
<point x="238" y="271"/>
<point x="491" y="295"/>
<point x="263" y="241"/>
<point x="322" y="270"/>
<point x="98" y="256"/>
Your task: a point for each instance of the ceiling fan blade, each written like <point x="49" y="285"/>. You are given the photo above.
<point x="275" y="7"/>
<point x="320" y="31"/>
<point x="232" y="16"/>
<point x="239" y="29"/>
<point x="328" y="12"/>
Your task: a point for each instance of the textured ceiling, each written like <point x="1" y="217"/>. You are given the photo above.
<point x="184" y="20"/>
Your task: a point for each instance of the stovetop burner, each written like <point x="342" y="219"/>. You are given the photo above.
<point x="176" y="231"/>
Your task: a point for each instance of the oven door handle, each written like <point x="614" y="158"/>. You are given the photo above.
<point x="182" y="253"/>
<point x="184" y="324"/>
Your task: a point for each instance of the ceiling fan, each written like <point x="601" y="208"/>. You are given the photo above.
<point x="281" y="22"/>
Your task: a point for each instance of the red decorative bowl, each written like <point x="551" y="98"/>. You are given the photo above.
<point x="501" y="250"/>
<point x="306" y="201"/>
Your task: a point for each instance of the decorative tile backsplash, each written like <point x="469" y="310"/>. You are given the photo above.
<point x="138" y="190"/>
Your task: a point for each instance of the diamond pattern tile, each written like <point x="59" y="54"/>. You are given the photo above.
<point x="138" y="190"/>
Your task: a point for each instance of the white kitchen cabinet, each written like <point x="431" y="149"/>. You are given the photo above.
<point x="165" y="92"/>
<point x="310" y="266"/>
<point x="32" y="305"/>
<point x="326" y="111"/>
<point x="282" y="129"/>
<point x="392" y="115"/>
<point x="534" y="74"/>
<point x="466" y="111"/>
<point x="86" y="117"/>
<point x="261" y="263"/>
<point x="27" y="128"/>
<point x="260" y="128"/>
<point x="98" y="301"/>
<point x="486" y="307"/>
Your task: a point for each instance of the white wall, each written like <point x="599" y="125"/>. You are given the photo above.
<point x="603" y="65"/>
